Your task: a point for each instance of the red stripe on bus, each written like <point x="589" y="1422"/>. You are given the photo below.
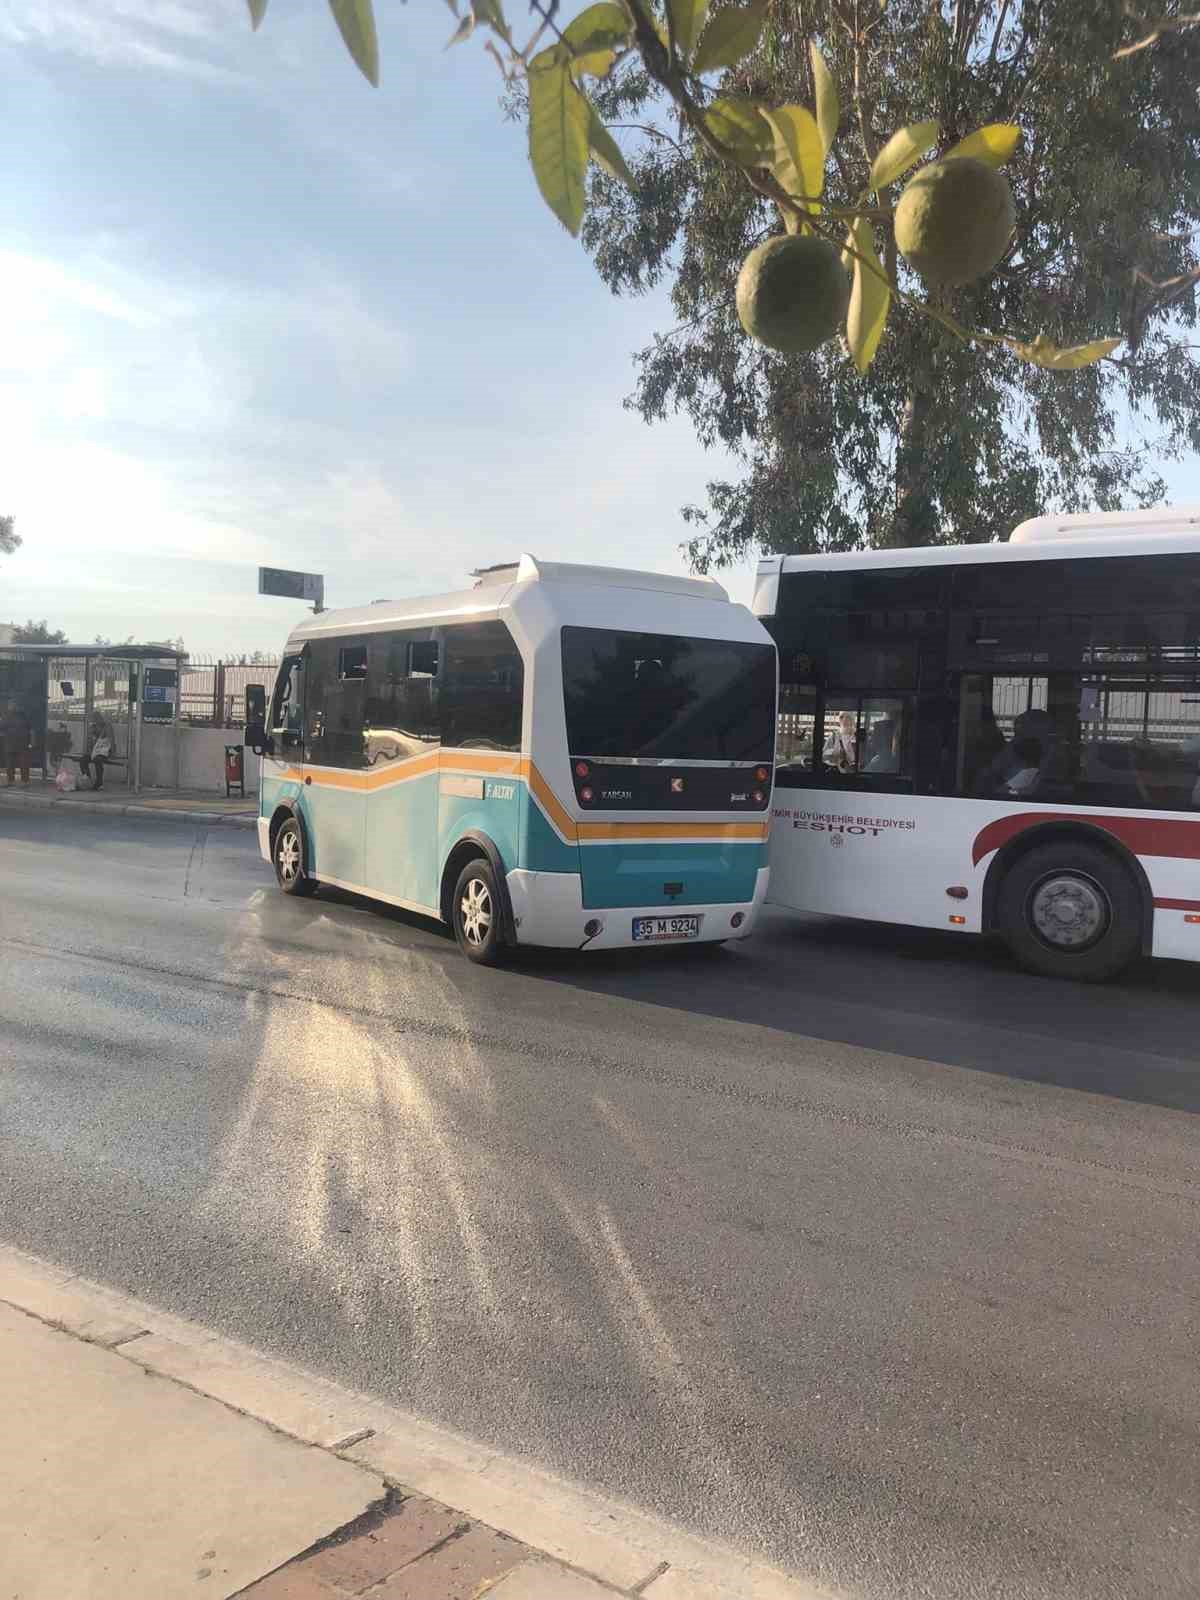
<point x="1177" y="905"/>
<point x="1144" y="836"/>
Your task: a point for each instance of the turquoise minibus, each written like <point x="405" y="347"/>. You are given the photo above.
<point x="561" y="755"/>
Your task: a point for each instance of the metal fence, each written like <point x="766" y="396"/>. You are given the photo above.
<point x="212" y="694"/>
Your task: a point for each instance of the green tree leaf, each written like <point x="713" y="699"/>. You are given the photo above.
<point x="870" y="298"/>
<point x="491" y="15"/>
<point x="594" y="36"/>
<point x="828" y="110"/>
<point x="799" y="155"/>
<point x="739" y="125"/>
<point x="559" y="118"/>
<point x="994" y="144"/>
<point x="606" y="152"/>
<point x="687" y="20"/>
<point x="730" y="35"/>
<point x="464" y="31"/>
<point x="356" y="23"/>
<point x="258" y="10"/>
<point x="906" y="146"/>
<point x="596" y="64"/>
<point x="1042" y="352"/>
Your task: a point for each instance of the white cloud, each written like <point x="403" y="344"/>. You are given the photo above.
<point x="38" y="288"/>
<point x="175" y="36"/>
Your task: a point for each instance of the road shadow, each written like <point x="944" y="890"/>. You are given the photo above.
<point x="948" y="998"/>
<point x="940" y="997"/>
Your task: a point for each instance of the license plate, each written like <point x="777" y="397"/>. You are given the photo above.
<point x="658" y="930"/>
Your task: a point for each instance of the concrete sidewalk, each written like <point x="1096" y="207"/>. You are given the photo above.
<point x="183" y="805"/>
<point x="148" y="1459"/>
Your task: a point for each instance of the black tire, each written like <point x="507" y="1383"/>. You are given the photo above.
<point x="288" y="855"/>
<point x="475" y="914"/>
<point x="1071" y="911"/>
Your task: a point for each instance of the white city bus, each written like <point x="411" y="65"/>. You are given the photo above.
<point x="561" y="755"/>
<point x="1000" y="737"/>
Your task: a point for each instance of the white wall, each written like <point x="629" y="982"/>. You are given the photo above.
<point x="201" y="758"/>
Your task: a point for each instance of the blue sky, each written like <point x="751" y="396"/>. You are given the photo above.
<point x="258" y="312"/>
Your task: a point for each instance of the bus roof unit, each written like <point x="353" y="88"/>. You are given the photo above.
<point x="490" y="594"/>
<point x="1106" y="524"/>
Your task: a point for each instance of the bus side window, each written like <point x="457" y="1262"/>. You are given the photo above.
<point x="869" y="737"/>
<point x="794" y="730"/>
<point x="402" y="695"/>
<point x="483" y="687"/>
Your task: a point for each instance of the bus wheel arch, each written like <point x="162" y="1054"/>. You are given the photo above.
<point x="1086" y="865"/>
<point x="306" y="883"/>
<point x="471" y="847"/>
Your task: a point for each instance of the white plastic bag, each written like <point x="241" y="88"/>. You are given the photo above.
<point x="64" y="781"/>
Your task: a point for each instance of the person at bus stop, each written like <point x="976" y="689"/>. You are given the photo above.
<point x="98" y="747"/>
<point x="58" y="745"/>
<point x="16" y="735"/>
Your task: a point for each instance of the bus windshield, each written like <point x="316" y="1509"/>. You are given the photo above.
<point x="661" y="697"/>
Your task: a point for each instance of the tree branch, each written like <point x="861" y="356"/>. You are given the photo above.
<point x="657" y="133"/>
<point x="1163" y="25"/>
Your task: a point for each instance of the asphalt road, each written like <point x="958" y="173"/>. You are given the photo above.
<point x="851" y="1245"/>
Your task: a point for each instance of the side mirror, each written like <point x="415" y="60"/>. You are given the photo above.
<point x="256" y="713"/>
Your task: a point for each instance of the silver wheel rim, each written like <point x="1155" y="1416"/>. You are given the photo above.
<point x="475" y="912"/>
<point x="287" y="854"/>
<point x="1069" y="911"/>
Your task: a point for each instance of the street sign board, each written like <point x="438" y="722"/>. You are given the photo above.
<point x="292" y="585"/>
<point x="159" y="685"/>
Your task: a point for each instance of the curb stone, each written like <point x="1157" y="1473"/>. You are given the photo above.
<point x="97" y="808"/>
<point x="579" y="1543"/>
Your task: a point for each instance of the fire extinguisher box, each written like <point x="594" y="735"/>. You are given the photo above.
<point x="235" y="770"/>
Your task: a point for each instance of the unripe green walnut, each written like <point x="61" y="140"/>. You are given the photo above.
<point x="954" y="220"/>
<point x="792" y="294"/>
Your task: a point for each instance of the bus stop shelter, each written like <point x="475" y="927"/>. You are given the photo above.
<point x="59" y="686"/>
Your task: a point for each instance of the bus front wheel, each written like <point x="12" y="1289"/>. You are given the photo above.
<point x="1071" y="911"/>
<point x="288" y="856"/>
<point x="475" y="913"/>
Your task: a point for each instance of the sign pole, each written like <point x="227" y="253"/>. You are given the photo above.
<point x="139" y="668"/>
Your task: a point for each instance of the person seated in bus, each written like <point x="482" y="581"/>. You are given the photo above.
<point x="985" y="747"/>
<point x="841" y="746"/>
<point x="883" y="746"/>
<point x="1027" y="771"/>
<point x="1152" y="777"/>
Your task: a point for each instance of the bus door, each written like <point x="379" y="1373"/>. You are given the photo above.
<point x="282" y="772"/>
<point x="335" y="766"/>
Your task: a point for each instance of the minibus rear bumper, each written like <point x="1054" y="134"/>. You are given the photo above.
<point x="548" y="909"/>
